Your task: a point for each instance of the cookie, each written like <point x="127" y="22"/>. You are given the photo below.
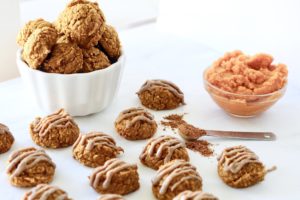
<point x="239" y="167"/>
<point x="135" y="124"/>
<point x="115" y="177"/>
<point x="29" y="167"/>
<point x="110" y="43"/>
<point x="65" y="58"/>
<point x="38" y="46"/>
<point x="111" y="197"/>
<point x="6" y="139"/>
<point x="94" y="59"/>
<point x="196" y="195"/>
<point x="175" y="177"/>
<point x="161" y="150"/>
<point x="160" y="95"/>
<point x="46" y="192"/>
<point x="95" y="148"/>
<point x="54" y="131"/>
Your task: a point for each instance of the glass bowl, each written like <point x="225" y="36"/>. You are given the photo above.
<point x="240" y="105"/>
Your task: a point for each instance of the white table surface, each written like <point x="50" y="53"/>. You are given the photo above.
<point x="154" y="55"/>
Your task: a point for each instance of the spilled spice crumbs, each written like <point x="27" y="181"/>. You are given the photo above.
<point x="173" y="121"/>
<point x="190" y="130"/>
<point x="200" y="146"/>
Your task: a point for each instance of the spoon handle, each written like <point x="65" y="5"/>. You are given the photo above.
<point x="242" y="135"/>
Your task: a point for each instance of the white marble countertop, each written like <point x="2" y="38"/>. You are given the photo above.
<point x="154" y="55"/>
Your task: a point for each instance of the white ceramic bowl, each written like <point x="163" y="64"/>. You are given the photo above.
<point x="80" y="94"/>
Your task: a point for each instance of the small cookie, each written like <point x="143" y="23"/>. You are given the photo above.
<point x="161" y="150"/>
<point x="116" y="177"/>
<point x="175" y="177"/>
<point x="160" y="95"/>
<point x="54" y="131"/>
<point x="95" y="148"/>
<point x="239" y="167"/>
<point x="6" y="139"/>
<point x="82" y="22"/>
<point x="94" y="59"/>
<point x="38" y="46"/>
<point x="110" y="42"/>
<point x="29" y="167"/>
<point x="46" y="192"/>
<point x="111" y="197"/>
<point x="196" y="195"/>
<point x="29" y="27"/>
<point x="135" y="124"/>
<point x="65" y="58"/>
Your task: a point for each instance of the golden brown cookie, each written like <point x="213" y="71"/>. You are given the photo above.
<point x="54" y="131"/>
<point x="29" y="167"/>
<point x="160" y="95"/>
<point x="38" y="46"/>
<point x="82" y="22"/>
<point x="175" y="177"/>
<point x="135" y="124"/>
<point x="62" y="38"/>
<point x="46" y="192"/>
<point x="28" y="29"/>
<point x="111" y="197"/>
<point x="110" y="42"/>
<point x="239" y="167"/>
<point x="95" y="148"/>
<point x="115" y="177"/>
<point x="6" y="139"/>
<point x="196" y="195"/>
<point x="65" y="58"/>
<point x="161" y="150"/>
<point x="94" y="59"/>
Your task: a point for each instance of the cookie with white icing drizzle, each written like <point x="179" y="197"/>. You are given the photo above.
<point x="135" y="124"/>
<point x="239" y="167"/>
<point x="111" y="197"/>
<point x="29" y="167"/>
<point x="163" y="149"/>
<point x="54" y="131"/>
<point x="175" y="177"/>
<point x="6" y="139"/>
<point x="115" y="177"/>
<point x="95" y="148"/>
<point x="196" y="195"/>
<point x="46" y="192"/>
<point x="160" y="95"/>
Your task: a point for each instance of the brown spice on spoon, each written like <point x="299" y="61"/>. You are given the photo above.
<point x="173" y="121"/>
<point x="191" y="131"/>
<point x="200" y="146"/>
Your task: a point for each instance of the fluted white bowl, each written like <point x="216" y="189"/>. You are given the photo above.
<point x="80" y="94"/>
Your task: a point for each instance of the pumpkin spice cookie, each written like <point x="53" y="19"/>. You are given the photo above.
<point x="196" y="195"/>
<point x="94" y="59"/>
<point x="160" y="95"/>
<point x="115" y="177"/>
<point x="111" y="197"/>
<point x="110" y="42"/>
<point x="54" y="131"/>
<point x="6" y="139"/>
<point x="65" y="58"/>
<point x="161" y="150"/>
<point x="239" y="167"/>
<point x="46" y="192"/>
<point x="175" y="177"/>
<point x="29" y="167"/>
<point x="135" y="124"/>
<point x="95" y="148"/>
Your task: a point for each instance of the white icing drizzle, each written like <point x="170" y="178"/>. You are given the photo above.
<point x="197" y="195"/>
<point x="43" y="191"/>
<point x="234" y="158"/>
<point x="111" y="197"/>
<point x="4" y="129"/>
<point x="59" y="119"/>
<point x="93" y="139"/>
<point x="137" y="114"/>
<point x="168" y="172"/>
<point x="24" y="159"/>
<point x="157" y="83"/>
<point x="168" y="143"/>
<point x="109" y="168"/>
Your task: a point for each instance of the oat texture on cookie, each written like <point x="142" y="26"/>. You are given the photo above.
<point x="6" y="138"/>
<point x="94" y="59"/>
<point x="46" y="192"/>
